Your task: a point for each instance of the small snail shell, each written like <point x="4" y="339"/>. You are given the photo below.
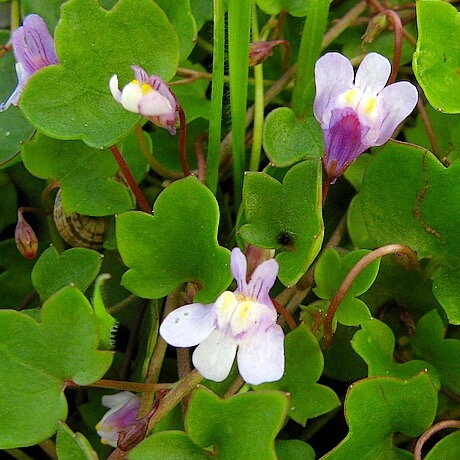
<point x="78" y="230"/>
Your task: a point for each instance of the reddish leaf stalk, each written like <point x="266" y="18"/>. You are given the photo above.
<point x="200" y="159"/>
<point x="353" y="274"/>
<point x="285" y="314"/>
<point x="130" y="386"/>
<point x="130" y="179"/>
<point x="430" y="432"/>
<point x="428" y="128"/>
<point x="183" y="142"/>
<point x="398" y="31"/>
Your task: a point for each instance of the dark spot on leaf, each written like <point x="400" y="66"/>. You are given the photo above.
<point x="285" y="239"/>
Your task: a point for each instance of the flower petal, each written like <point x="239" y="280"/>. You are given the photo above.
<point x="114" y="89"/>
<point x="373" y="73"/>
<point x="333" y="75"/>
<point x="344" y="141"/>
<point x="140" y="74"/>
<point x="23" y="78"/>
<point x="214" y="357"/>
<point x="239" y="268"/>
<point x="395" y="103"/>
<point x="261" y="356"/>
<point x="33" y="45"/>
<point x="118" y="400"/>
<point x="131" y="96"/>
<point x="189" y="325"/>
<point x="262" y="280"/>
<point x="154" y="104"/>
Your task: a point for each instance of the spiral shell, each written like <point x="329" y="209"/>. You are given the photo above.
<point x="79" y="230"/>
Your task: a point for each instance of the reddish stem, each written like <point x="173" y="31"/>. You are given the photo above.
<point x="130" y="179"/>
<point x="183" y="142"/>
<point x="398" y="30"/>
<point x="325" y="189"/>
<point x="430" y="432"/>
<point x="353" y="274"/>
<point x="200" y="159"/>
<point x="285" y="314"/>
<point x="428" y="128"/>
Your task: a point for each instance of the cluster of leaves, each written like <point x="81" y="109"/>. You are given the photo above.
<point x="393" y="368"/>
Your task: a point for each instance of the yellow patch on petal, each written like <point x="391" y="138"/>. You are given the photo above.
<point x="370" y="104"/>
<point x="351" y="96"/>
<point x="135" y="82"/>
<point x="146" y="88"/>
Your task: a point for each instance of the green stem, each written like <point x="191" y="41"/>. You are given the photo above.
<point x="258" y="101"/>
<point x="215" y="123"/>
<point x="151" y="160"/>
<point x="15" y="15"/>
<point x="239" y="22"/>
<point x="310" y="48"/>
<point x="18" y="454"/>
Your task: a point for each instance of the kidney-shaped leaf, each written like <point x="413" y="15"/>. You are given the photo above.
<point x="377" y="407"/>
<point x="285" y="216"/>
<point x="85" y="175"/>
<point x="72" y="100"/>
<point x="38" y="359"/>
<point x="175" y="245"/>
<point x="437" y="57"/>
<point x="293" y="7"/>
<point x="73" y="446"/>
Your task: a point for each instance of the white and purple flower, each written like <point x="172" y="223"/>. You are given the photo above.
<point x="149" y="96"/>
<point x="359" y="112"/>
<point x="123" y="413"/>
<point x="33" y="48"/>
<point x="241" y="323"/>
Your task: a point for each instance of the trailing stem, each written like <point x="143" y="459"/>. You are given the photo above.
<point x="353" y="274"/>
<point x="430" y="432"/>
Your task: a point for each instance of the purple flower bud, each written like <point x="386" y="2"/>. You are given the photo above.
<point x="359" y="112"/>
<point x="33" y="48"/>
<point x="150" y="97"/>
<point x="25" y="237"/>
<point x="260" y="51"/>
<point x="123" y="413"/>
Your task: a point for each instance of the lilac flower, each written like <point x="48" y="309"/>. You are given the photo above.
<point x="33" y="48"/>
<point x="123" y="412"/>
<point x="244" y="320"/>
<point x="148" y="96"/>
<point x="359" y="112"/>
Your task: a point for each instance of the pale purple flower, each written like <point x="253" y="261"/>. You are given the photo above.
<point x="241" y="323"/>
<point x="149" y="96"/>
<point x="123" y="413"/>
<point x="33" y="48"/>
<point x="359" y="112"/>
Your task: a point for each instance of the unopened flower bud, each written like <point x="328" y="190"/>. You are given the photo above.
<point x="131" y="436"/>
<point x="26" y="239"/>
<point x="375" y="27"/>
<point x="260" y="51"/>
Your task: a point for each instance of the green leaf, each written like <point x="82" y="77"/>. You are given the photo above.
<point x="106" y="323"/>
<point x="429" y="344"/>
<point x="85" y="175"/>
<point x="294" y="449"/>
<point x="53" y="271"/>
<point x="202" y="11"/>
<point x="13" y="127"/>
<point x="447" y="448"/>
<point x="15" y="272"/>
<point x="180" y="14"/>
<point x="375" y="343"/>
<point x="402" y="200"/>
<point x="285" y="216"/>
<point x="437" y="57"/>
<point x="72" y="100"/>
<point x="37" y="361"/>
<point x="224" y="423"/>
<point x="73" y="446"/>
<point x="175" y="245"/>
<point x="293" y="7"/>
<point x="330" y="272"/>
<point x="288" y="140"/>
<point x="167" y="445"/>
<point x="304" y="366"/>
<point x="375" y="408"/>
<point x="48" y="10"/>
